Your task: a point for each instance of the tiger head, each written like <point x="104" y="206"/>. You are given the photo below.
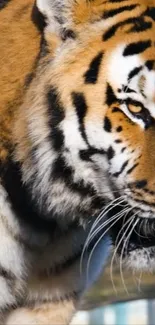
<point x="85" y="133"/>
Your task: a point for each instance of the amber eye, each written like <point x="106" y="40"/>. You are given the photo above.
<point x="134" y="109"/>
<point x="138" y="112"/>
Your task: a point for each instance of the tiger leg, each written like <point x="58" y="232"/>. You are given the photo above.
<point x="12" y="257"/>
<point x="59" y="313"/>
<point x="11" y="270"/>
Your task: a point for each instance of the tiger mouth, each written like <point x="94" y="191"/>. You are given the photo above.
<point x="130" y="234"/>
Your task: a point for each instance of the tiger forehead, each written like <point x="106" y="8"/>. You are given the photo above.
<point x="108" y="34"/>
<point x="123" y="69"/>
<point x="84" y="11"/>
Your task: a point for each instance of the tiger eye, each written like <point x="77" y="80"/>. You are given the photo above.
<point x="135" y="109"/>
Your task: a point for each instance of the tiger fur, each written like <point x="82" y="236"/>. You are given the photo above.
<point x="77" y="134"/>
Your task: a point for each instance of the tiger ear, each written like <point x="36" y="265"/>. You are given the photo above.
<point x="71" y="13"/>
<point x="52" y="13"/>
<point x="51" y="10"/>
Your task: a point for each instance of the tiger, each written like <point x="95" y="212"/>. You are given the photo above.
<point x="40" y="257"/>
<point x="76" y="149"/>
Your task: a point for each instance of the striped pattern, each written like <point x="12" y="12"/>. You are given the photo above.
<point x="77" y="128"/>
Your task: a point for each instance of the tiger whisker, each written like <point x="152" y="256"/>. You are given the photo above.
<point x="100" y="238"/>
<point x="140" y="225"/>
<point x="90" y="239"/>
<point x="123" y="248"/>
<point x="101" y="215"/>
<point x="139" y="235"/>
<point x="115" y="252"/>
<point x="105" y="223"/>
<point x="115" y="202"/>
<point x="145" y="228"/>
<point x="137" y="280"/>
<point x="124" y="224"/>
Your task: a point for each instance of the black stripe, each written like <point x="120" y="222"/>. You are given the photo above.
<point x="136" y="48"/>
<point x="55" y="115"/>
<point x="4" y="3"/>
<point x="138" y="24"/>
<point x="140" y="184"/>
<point x="110" y="153"/>
<point x="129" y="171"/>
<point x="61" y="171"/>
<point x="150" y="64"/>
<point x="7" y="275"/>
<point x="68" y="33"/>
<point x="122" y="169"/>
<point x="134" y="72"/>
<point x="19" y="196"/>
<point x="88" y="153"/>
<point x="116" y="110"/>
<point x="110" y="96"/>
<point x="150" y="12"/>
<point x="42" y="52"/>
<point x="145" y="203"/>
<point x="123" y="149"/>
<point x="127" y="90"/>
<point x="107" y="124"/>
<point x="80" y="104"/>
<point x="92" y="74"/>
<point x="148" y="191"/>
<point x="111" y="13"/>
<point x="26" y="211"/>
<point x="38" y="18"/>
<point x="110" y="32"/>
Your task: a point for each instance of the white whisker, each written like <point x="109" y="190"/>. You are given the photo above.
<point x="124" y="223"/>
<point x="101" y="215"/>
<point x="139" y="235"/>
<point x="112" y="204"/>
<point x="138" y="280"/>
<point x="123" y="248"/>
<point x="100" y="238"/>
<point x="107" y="222"/>
<point x="116" y="249"/>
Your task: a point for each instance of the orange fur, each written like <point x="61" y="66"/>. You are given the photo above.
<point x="19" y="46"/>
<point x="20" y="41"/>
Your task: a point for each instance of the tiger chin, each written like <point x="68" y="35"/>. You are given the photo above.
<point x="77" y="149"/>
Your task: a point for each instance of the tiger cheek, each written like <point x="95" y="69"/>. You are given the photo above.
<point x="124" y="130"/>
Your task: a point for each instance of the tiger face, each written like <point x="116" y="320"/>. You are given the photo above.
<point x="85" y="132"/>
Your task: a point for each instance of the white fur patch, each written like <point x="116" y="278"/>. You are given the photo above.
<point x="46" y="7"/>
<point x="119" y="66"/>
<point x="141" y="259"/>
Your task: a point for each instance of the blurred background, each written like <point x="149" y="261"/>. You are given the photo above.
<point x="119" y="299"/>
<point x="139" y="312"/>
